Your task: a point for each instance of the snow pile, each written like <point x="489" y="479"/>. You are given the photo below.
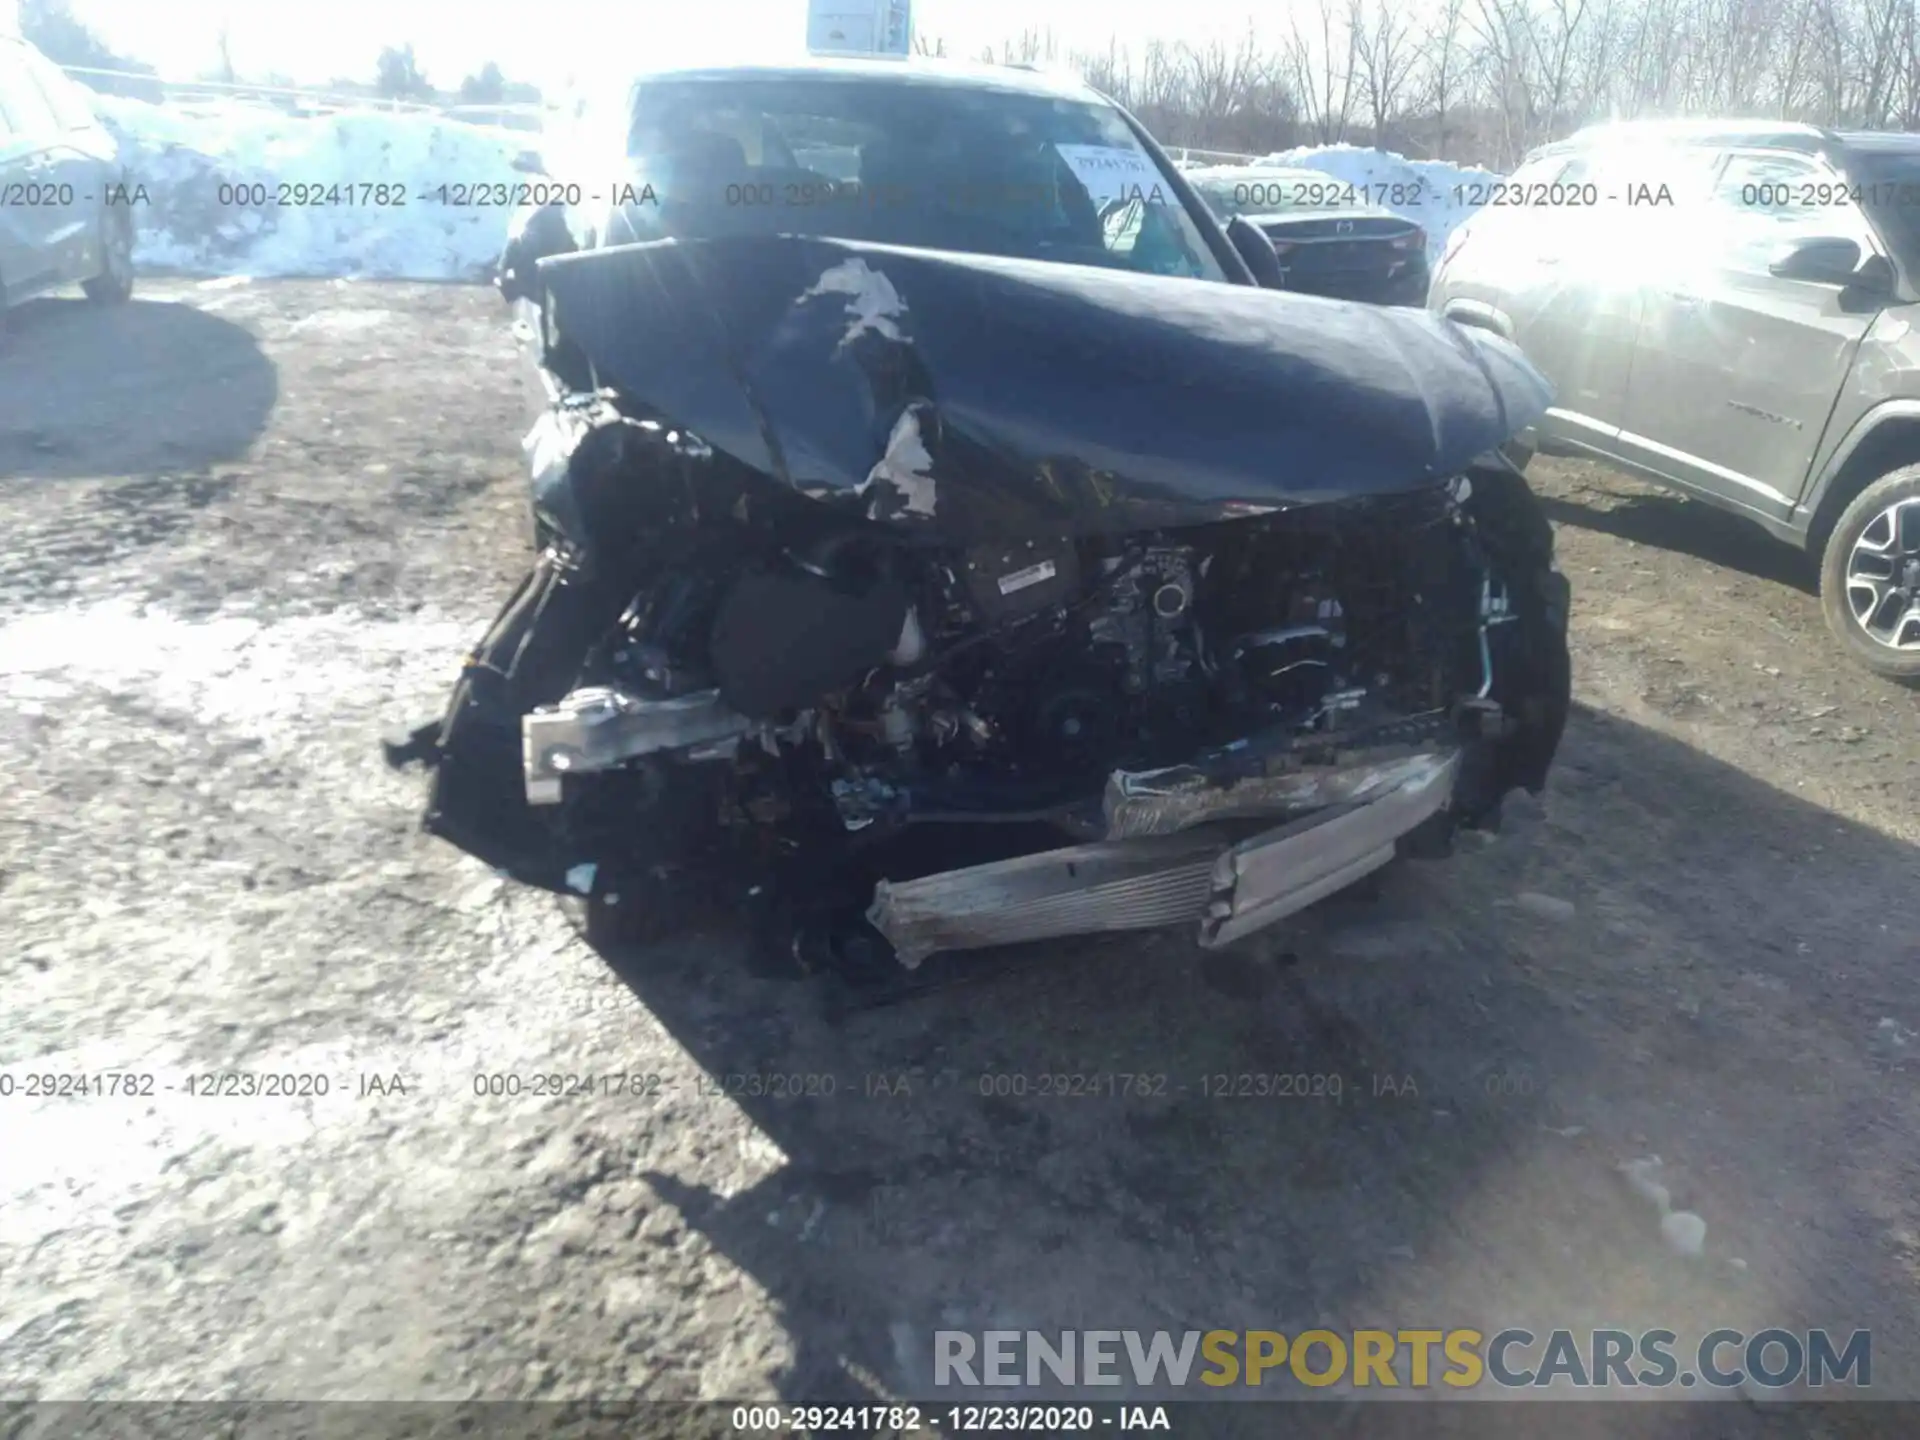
<point x="190" y="222"/>
<point x="1432" y="193"/>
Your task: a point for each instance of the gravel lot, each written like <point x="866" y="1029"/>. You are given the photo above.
<point x="249" y="526"/>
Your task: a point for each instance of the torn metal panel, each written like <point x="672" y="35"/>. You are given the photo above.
<point x="598" y="727"/>
<point x="873" y="304"/>
<point x="1150" y="882"/>
<point x="1163" y="802"/>
<point x="1042" y="389"/>
<point x="1082" y="889"/>
<point x="1274" y="875"/>
<point x="901" y="483"/>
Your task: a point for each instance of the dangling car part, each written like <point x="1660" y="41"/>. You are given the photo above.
<point x="995" y="600"/>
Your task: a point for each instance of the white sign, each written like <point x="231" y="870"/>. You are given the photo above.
<point x="1112" y="173"/>
<point x="858" y="27"/>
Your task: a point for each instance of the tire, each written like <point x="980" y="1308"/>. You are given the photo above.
<point x="1887" y="510"/>
<point x="114" y="284"/>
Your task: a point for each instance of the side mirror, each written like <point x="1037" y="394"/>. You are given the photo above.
<point x="533" y="233"/>
<point x="1874" y="277"/>
<point x="1823" y="259"/>
<point x="1257" y="250"/>
<point x="528" y="162"/>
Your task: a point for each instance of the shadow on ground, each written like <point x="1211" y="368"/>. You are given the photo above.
<point x="1688" y="527"/>
<point x="142" y="390"/>
<point x="1495" y="1066"/>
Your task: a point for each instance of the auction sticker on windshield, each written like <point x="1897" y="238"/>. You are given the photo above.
<point x="1112" y="173"/>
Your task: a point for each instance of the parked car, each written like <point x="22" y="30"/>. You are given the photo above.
<point x="520" y="126"/>
<point x="971" y="500"/>
<point x="1330" y="242"/>
<point x="65" y="212"/>
<point x="1728" y="308"/>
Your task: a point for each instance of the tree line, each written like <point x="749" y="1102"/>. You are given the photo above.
<point x="1472" y="81"/>
<point x="1484" y="81"/>
<point x="53" y="28"/>
<point x="398" y="76"/>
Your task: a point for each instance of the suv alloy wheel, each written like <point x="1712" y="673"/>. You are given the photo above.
<point x="1870" y="576"/>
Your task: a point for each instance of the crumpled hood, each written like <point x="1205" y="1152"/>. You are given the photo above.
<point x="966" y="398"/>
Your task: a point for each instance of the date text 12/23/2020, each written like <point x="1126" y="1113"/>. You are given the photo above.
<point x="40" y="1084"/>
<point x="951" y="1420"/>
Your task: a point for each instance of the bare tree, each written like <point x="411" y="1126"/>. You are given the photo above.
<point x="1109" y="71"/>
<point x="1384" y="54"/>
<point x="1554" y="38"/>
<point x="223" y="44"/>
<point x="1596" y="53"/>
<point x="1034" y="47"/>
<point x="1832" y="49"/>
<point x="1323" y="69"/>
<point x="1486" y="80"/>
<point x="1443" y="61"/>
<point x="1507" y="54"/>
<point x="1908" y="116"/>
<point x="1653" y="57"/>
<point x="1877" y="59"/>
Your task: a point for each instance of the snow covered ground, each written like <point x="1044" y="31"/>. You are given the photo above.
<point x="229" y="187"/>
<point x="240" y="188"/>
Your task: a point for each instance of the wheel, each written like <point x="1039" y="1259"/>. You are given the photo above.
<point x="1870" y="577"/>
<point x="114" y="284"/>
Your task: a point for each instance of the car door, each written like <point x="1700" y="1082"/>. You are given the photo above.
<point x="1584" y="309"/>
<point x="76" y="165"/>
<point x="1544" y="263"/>
<point x="25" y="225"/>
<point x="1616" y="208"/>
<point x="1735" y="370"/>
<point x="1491" y="262"/>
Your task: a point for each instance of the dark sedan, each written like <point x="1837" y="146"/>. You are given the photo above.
<point x="1328" y="242"/>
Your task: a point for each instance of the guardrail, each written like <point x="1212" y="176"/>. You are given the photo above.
<point x="1185" y="155"/>
<point x="188" y="90"/>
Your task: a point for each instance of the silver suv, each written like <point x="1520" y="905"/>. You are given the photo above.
<point x="1729" y="308"/>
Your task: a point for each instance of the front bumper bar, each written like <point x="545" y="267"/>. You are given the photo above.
<point x="1195" y="877"/>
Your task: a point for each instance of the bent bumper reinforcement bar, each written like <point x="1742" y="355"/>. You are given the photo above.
<point x="1148" y="883"/>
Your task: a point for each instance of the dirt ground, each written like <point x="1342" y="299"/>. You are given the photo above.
<point x="250" y="526"/>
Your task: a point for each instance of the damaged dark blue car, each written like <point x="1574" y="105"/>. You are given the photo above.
<point x="969" y="549"/>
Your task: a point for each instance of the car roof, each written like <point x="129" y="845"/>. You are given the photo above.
<point x="894" y="70"/>
<point x="1880" y="140"/>
<point x="1706" y="131"/>
<point x="1773" y="134"/>
<point x="1258" y="174"/>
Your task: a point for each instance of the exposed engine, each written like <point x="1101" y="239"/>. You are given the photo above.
<point x="1007" y="683"/>
<point x="980" y="632"/>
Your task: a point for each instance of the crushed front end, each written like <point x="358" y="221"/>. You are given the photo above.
<point x="848" y="599"/>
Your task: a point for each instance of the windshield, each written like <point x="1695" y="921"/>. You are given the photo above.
<point x="1256" y="192"/>
<point x="929" y="165"/>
